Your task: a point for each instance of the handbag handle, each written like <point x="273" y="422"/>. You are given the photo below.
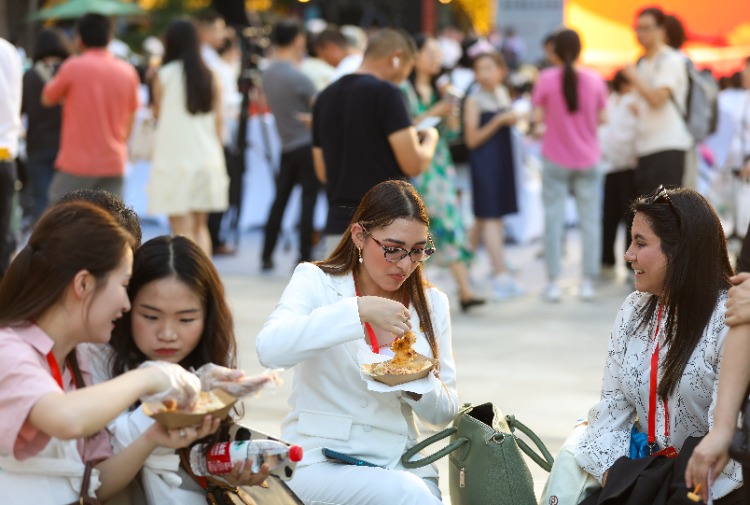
<point x="546" y="463"/>
<point x="456" y="444"/>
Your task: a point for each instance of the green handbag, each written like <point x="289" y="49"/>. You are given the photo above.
<point x="485" y="464"/>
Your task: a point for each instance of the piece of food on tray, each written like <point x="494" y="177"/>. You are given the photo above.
<point x="208" y="401"/>
<point x="406" y="359"/>
<point x="217" y="403"/>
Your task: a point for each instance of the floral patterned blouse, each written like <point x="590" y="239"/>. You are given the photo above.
<point x="625" y="392"/>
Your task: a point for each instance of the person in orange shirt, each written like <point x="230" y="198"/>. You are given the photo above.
<point x="100" y="96"/>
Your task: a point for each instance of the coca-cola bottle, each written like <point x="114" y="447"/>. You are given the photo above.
<point x="220" y="458"/>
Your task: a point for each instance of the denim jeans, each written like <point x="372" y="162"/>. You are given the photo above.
<point x="557" y="182"/>
<point x="40" y="167"/>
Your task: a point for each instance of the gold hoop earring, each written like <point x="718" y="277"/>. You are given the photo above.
<point x="359" y="252"/>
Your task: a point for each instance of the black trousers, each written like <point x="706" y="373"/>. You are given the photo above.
<point x="664" y="167"/>
<point x="743" y="260"/>
<point x="7" y="192"/>
<point x="619" y="191"/>
<point x="215" y="219"/>
<point x="296" y="168"/>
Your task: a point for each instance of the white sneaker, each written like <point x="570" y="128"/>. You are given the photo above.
<point x="504" y="287"/>
<point x="587" y="292"/>
<point x="552" y="293"/>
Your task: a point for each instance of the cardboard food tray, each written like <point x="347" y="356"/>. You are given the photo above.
<point x="397" y="379"/>
<point x="173" y="420"/>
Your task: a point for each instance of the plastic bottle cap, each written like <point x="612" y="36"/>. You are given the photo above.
<point x="295" y="453"/>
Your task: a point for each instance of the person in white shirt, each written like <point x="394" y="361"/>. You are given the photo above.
<point x="619" y="159"/>
<point x="340" y="313"/>
<point x="356" y="40"/>
<point x="665" y="351"/>
<point x="661" y="80"/>
<point x="11" y="79"/>
<point x="212" y="31"/>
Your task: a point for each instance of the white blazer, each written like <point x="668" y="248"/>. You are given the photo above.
<point x="316" y="329"/>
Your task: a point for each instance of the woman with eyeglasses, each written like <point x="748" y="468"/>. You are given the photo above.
<point x="661" y="374"/>
<point x="352" y="304"/>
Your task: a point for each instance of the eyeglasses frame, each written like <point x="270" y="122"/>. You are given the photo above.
<point x="427" y="251"/>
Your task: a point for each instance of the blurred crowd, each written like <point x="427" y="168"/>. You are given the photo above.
<point x="489" y="139"/>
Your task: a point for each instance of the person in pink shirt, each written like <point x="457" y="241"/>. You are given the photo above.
<point x="64" y="288"/>
<point x="569" y="103"/>
<point x="99" y="94"/>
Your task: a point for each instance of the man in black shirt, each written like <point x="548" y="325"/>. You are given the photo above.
<point x="362" y="132"/>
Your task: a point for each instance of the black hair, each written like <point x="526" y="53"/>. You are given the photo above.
<point x="123" y="214"/>
<point x="465" y="60"/>
<point x="568" y="48"/>
<point x="659" y="17"/>
<point x="181" y="44"/>
<point x="51" y="42"/>
<point x="285" y="31"/>
<point x="698" y="269"/>
<point x="206" y="17"/>
<point x="95" y="30"/>
<point x="331" y="35"/>
<point x="619" y="80"/>
<point x="675" y="31"/>
<point x="420" y="40"/>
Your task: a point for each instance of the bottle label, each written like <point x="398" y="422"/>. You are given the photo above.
<point x="222" y="457"/>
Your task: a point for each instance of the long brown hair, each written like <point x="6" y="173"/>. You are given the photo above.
<point x="382" y="205"/>
<point x="68" y="238"/>
<point x="698" y="269"/>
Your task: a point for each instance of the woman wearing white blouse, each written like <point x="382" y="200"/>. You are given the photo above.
<point x="679" y="257"/>
<point x="332" y="313"/>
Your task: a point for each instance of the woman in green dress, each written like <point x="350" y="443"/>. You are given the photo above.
<point x="437" y="185"/>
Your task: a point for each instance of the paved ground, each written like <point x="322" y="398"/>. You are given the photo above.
<point x="541" y="362"/>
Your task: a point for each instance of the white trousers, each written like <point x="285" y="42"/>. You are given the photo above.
<point x="338" y="484"/>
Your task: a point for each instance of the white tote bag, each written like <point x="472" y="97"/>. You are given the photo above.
<point x="568" y="483"/>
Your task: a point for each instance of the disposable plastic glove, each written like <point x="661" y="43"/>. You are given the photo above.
<point x="184" y="386"/>
<point x="233" y="381"/>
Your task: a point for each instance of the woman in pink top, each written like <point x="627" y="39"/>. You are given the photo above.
<point x="569" y="104"/>
<point x="66" y="287"/>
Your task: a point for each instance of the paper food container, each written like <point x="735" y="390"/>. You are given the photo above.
<point x="396" y="379"/>
<point x="173" y="419"/>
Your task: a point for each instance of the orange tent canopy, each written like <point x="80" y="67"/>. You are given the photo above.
<point x="718" y="33"/>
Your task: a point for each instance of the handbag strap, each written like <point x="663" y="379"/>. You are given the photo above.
<point x="456" y="444"/>
<point x="75" y="369"/>
<point x="546" y="460"/>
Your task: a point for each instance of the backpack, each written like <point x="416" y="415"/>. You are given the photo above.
<point x="702" y="111"/>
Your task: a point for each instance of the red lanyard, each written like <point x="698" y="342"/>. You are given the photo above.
<point x="652" y="395"/>
<point x="55" y="371"/>
<point x="368" y="328"/>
